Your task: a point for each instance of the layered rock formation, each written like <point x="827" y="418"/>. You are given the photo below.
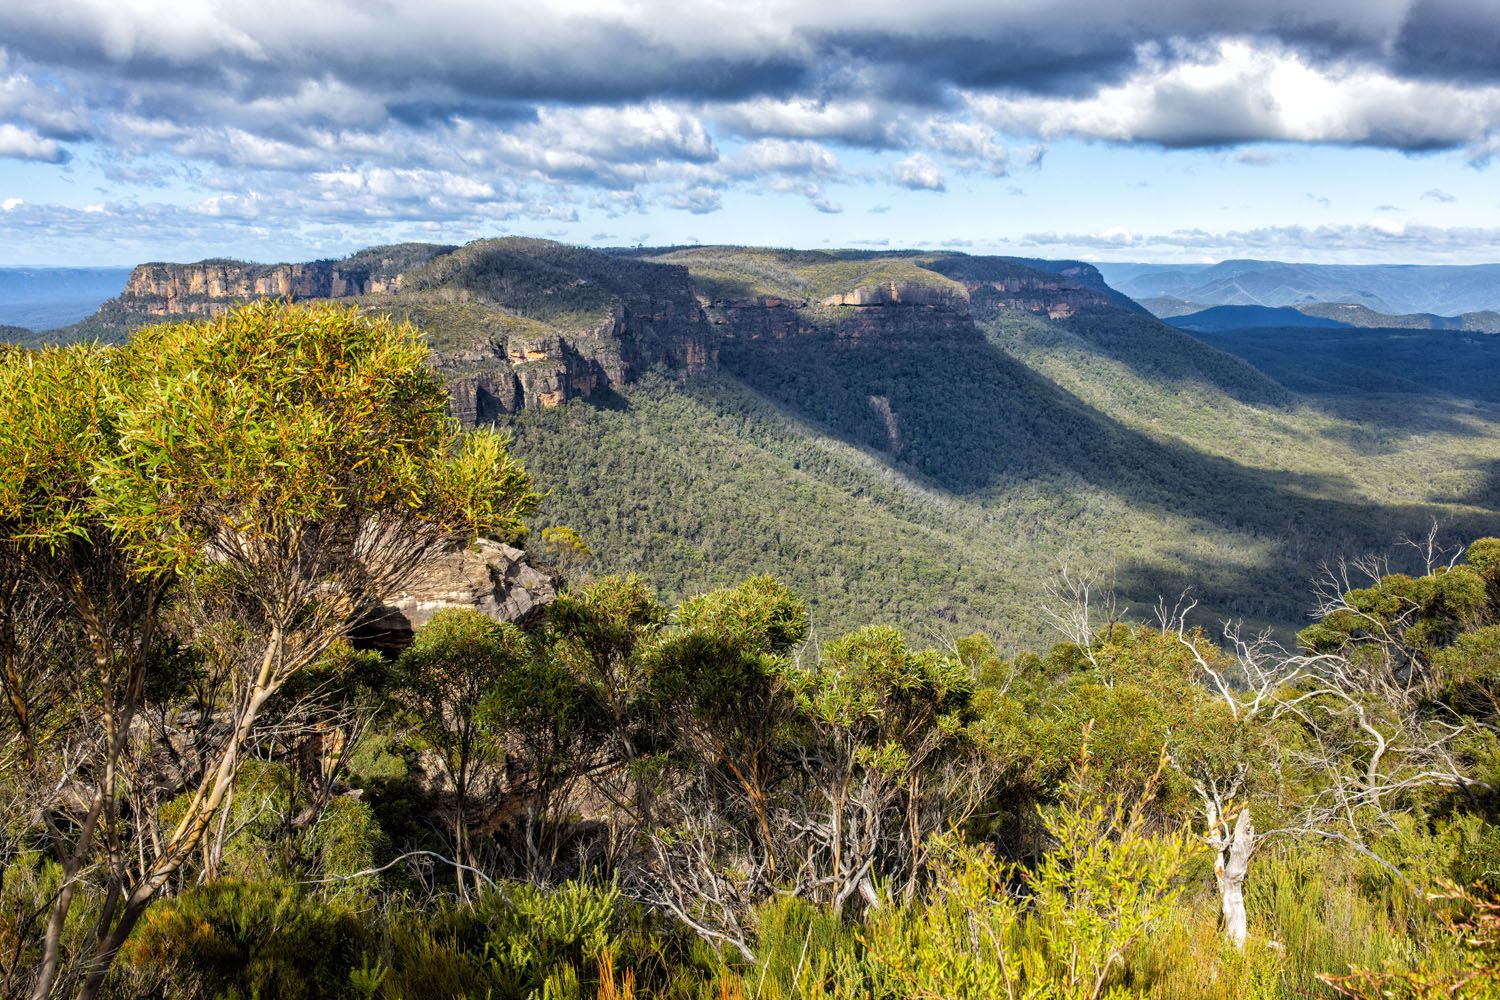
<point x="492" y="578"/>
<point x="631" y="319"/>
<point x="210" y="287"/>
<point x="519" y="323"/>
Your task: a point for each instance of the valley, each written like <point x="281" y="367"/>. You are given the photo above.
<point x="916" y="438"/>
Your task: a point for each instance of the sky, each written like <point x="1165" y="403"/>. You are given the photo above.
<point x="1354" y="131"/>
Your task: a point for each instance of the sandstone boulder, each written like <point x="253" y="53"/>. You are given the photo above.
<point x="493" y="578"/>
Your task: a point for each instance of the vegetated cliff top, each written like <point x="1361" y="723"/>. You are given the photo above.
<point x="571" y="288"/>
<point x="377" y="261"/>
<point x="737" y="272"/>
<point x="567" y="287"/>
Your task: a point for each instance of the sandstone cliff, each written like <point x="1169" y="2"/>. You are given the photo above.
<point x="520" y="323"/>
<point x="212" y="286"/>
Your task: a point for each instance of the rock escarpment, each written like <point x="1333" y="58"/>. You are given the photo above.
<point x="519" y="323"/>
<point x="210" y="287"/>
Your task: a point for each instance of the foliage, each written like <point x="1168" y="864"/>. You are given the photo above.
<point x="701" y="794"/>
<point x="236" y="939"/>
<point x="1104" y="886"/>
<point x="1472" y="920"/>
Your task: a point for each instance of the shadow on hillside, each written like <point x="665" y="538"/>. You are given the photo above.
<point x="1486" y="493"/>
<point x="1278" y="591"/>
<point x="1152" y="350"/>
<point x="1379" y="377"/>
<point x="963" y="415"/>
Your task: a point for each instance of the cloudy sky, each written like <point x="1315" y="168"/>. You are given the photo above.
<point x="1338" y="130"/>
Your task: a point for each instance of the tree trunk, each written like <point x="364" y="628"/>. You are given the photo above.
<point x="1230" y="868"/>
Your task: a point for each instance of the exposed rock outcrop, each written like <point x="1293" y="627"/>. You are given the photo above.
<point x="887" y="293"/>
<point x="520" y="323"/>
<point x="490" y="577"/>
<point x="1057" y="298"/>
<point x="210" y="288"/>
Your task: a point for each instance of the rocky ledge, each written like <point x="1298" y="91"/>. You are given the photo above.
<point x="492" y="578"/>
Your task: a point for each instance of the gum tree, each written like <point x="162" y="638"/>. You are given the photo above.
<point x="79" y="624"/>
<point x="286" y="468"/>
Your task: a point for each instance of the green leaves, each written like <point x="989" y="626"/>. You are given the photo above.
<point x="480" y="488"/>
<point x="55" y="424"/>
<point x="870" y="678"/>
<point x="274" y="417"/>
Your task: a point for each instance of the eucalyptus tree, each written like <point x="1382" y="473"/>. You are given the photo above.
<point x="79" y="623"/>
<point x="1374" y="707"/>
<point x="449" y="679"/>
<point x="285" y="469"/>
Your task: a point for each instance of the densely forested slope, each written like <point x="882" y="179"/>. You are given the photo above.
<point x="1487" y="321"/>
<point x="911" y="436"/>
<point x="942" y="473"/>
<point x="1219" y="318"/>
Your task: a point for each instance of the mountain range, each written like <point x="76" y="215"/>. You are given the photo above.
<point x="1445" y="290"/>
<point x="909" y="437"/>
<point x="42" y="298"/>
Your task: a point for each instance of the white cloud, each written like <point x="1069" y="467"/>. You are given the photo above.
<point x="23" y="144"/>
<point x="918" y="173"/>
<point x="1236" y="91"/>
<point x="431" y="112"/>
<point x="1380" y="239"/>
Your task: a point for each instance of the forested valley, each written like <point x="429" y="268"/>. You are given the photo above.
<point x="212" y="787"/>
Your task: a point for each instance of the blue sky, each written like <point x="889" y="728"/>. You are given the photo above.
<point x="1166" y="130"/>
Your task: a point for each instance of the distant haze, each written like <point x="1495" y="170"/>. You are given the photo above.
<point x="1443" y="289"/>
<point x="44" y="298"/>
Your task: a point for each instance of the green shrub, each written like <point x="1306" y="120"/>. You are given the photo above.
<point x="236" y="939"/>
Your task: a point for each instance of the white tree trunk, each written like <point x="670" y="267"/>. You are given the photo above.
<point x="1230" y="866"/>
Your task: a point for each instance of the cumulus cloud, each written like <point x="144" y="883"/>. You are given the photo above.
<point x="23" y="144"/>
<point x="697" y="200"/>
<point x="493" y="110"/>
<point x="1238" y="91"/>
<point x="918" y="173"/>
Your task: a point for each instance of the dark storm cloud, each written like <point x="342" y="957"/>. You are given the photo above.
<point x="446" y="106"/>
<point x="1449" y="40"/>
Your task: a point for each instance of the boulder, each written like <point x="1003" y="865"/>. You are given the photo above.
<point x="492" y="578"/>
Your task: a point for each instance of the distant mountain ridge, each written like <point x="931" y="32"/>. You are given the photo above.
<point x="1324" y="315"/>
<point x="44" y="298"/>
<point x="1217" y="318"/>
<point x="521" y="323"/>
<point x="1487" y="321"/>
<point x="1391" y="289"/>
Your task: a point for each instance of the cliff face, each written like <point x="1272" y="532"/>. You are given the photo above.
<point x="518" y="323"/>
<point x="520" y="371"/>
<point x="210" y="288"/>
<point x="586" y="323"/>
<point x="538" y="325"/>
<point x="1057" y="298"/>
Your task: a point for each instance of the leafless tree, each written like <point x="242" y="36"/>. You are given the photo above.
<point x="1081" y="607"/>
<point x="1372" y="734"/>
